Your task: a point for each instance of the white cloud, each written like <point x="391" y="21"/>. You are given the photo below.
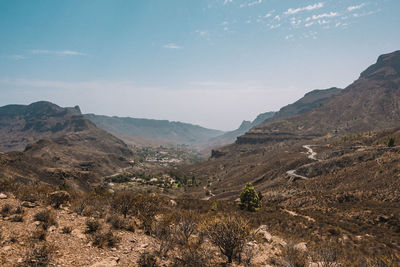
<point x="257" y="2"/>
<point x="227" y="1"/>
<point x="356" y="15"/>
<point x="325" y="15"/>
<point x="275" y="26"/>
<point x="290" y="36"/>
<point x="351" y="8"/>
<point x="277" y="17"/>
<point x="292" y="11"/>
<point x="17" y="57"/>
<point x="323" y="22"/>
<point x="172" y="46"/>
<point x="202" y="33"/>
<point x="295" y="22"/>
<point x="57" y="52"/>
<point x="309" y="24"/>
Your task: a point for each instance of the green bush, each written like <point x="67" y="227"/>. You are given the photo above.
<point x="249" y="198"/>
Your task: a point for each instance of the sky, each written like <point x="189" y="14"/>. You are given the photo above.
<point x="209" y="62"/>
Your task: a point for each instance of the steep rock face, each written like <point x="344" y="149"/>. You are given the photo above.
<point x="21" y="125"/>
<point x="371" y="102"/>
<point x="58" y="143"/>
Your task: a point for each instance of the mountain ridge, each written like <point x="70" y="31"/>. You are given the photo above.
<point x="371" y="102"/>
<point x="158" y="130"/>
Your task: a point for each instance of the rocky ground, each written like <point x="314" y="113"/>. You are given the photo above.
<point x="19" y="238"/>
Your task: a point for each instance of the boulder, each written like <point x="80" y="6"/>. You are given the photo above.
<point x="262" y="232"/>
<point x="3" y="196"/>
<point x="172" y="203"/>
<point x="302" y="246"/>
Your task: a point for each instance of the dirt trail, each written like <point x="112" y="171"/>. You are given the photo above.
<point x="311" y="155"/>
<point x="296" y="214"/>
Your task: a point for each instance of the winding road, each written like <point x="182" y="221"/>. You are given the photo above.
<point x="311" y="155"/>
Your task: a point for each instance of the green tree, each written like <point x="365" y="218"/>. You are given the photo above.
<point x="249" y="199"/>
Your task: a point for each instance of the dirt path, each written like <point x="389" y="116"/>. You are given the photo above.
<point x="311" y="155"/>
<point x="292" y="174"/>
<point x="296" y="214"/>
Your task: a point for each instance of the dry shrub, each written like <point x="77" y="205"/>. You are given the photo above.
<point x="58" y="198"/>
<point x="382" y="261"/>
<point x="19" y="210"/>
<point x="192" y="256"/>
<point x="123" y="202"/>
<point x="91" y="204"/>
<point x="248" y="255"/>
<point x="38" y="256"/>
<point x="46" y="217"/>
<point x="105" y="239"/>
<point x="119" y="223"/>
<point x="39" y="235"/>
<point x="17" y="218"/>
<point x="163" y="230"/>
<point x="116" y="222"/>
<point x="92" y="226"/>
<point x="147" y="260"/>
<point x="327" y="256"/>
<point x="34" y="191"/>
<point x="5" y="210"/>
<point x="66" y="230"/>
<point x="147" y="207"/>
<point x="229" y="234"/>
<point x="293" y="257"/>
<point x="186" y="226"/>
<point x="8" y="185"/>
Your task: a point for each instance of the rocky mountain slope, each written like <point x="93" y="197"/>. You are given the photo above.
<point x="155" y="130"/>
<point x="230" y="137"/>
<point x="56" y="143"/>
<point x="371" y="102"/>
<point x="265" y="153"/>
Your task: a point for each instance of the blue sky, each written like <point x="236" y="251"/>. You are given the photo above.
<point x="208" y="62"/>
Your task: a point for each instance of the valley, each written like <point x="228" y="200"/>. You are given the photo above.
<point x="325" y="171"/>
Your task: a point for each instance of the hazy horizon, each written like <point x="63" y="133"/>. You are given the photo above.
<point x="213" y="63"/>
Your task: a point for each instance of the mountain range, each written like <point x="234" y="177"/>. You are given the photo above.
<point x="164" y="131"/>
<point x="265" y="153"/>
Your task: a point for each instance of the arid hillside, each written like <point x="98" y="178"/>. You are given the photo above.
<point x="371" y="102"/>
<point x="57" y="144"/>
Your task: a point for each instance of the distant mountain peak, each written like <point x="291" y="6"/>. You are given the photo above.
<point x="387" y="65"/>
<point x="245" y="124"/>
